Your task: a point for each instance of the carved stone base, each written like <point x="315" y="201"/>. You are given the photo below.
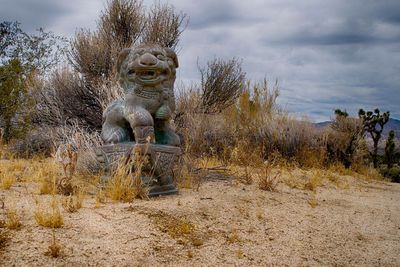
<point x="157" y="174"/>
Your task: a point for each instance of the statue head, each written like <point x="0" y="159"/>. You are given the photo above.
<point x="147" y="65"/>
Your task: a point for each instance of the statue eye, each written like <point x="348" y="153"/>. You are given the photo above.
<point x="161" y="57"/>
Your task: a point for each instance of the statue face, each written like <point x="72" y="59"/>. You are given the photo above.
<point x="147" y="65"/>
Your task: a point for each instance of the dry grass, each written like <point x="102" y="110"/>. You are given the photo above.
<point x="50" y="217"/>
<point x="100" y="198"/>
<point x="11" y="171"/>
<point x="46" y="176"/>
<point x="313" y="200"/>
<point x="233" y="236"/>
<point x="268" y="181"/>
<point x="13" y="220"/>
<point x="178" y="228"/>
<point x="6" y="181"/>
<point x="126" y="183"/>
<point x="54" y="249"/>
<point x="247" y="176"/>
<point x="72" y="203"/>
<point x="314" y="181"/>
<point x="120" y="186"/>
<point x="4" y="238"/>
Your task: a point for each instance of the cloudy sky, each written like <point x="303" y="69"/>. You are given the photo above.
<point x="325" y="54"/>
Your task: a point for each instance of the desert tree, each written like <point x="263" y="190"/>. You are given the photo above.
<point x="14" y="99"/>
<point x="373" y="123"/>
<point x="39" y="51"/>
<point x="10" y="32"/>
<point x="23" y="58"/>
<point x="341" y="113"/>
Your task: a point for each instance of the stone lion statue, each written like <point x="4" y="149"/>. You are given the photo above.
<point x="147" y="75"/>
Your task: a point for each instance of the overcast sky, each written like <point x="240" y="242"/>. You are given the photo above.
<point x="325" y="54"/>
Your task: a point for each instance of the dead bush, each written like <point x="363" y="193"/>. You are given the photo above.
<point x="222" y="82"/>
<point x="164" y="26"/>
<point x="91" y="56"/>
<point x="34" y="143"/>
<point x="268" y="180"/>
<point x="122" y="21"/>
<point x="67" y="99"/>
<point x="249" y="131"/>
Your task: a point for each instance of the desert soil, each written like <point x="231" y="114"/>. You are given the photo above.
<point x="224" y="223"/>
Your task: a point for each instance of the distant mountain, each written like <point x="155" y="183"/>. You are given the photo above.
<point x="392" y="124"/>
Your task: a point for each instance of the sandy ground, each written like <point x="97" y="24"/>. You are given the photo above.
<point x="225" y="223"/>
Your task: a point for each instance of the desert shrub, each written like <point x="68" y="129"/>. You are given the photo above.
<point x="164" y="25"/>
<point x="247" y="132"/>
<point x="23" y="57"/>
<point x="34" y="143"/>
<point x="288" y="136"/>
<point x="344" y="139"/>
<point x="390" y="149"/>
<point x="65" y="99"/>
<point x="83" y="143"/>
<point x="13" y="220"/>
<point x="72" y="203"/>
<point x="6" y="181"/>
<point x="222" y="82"/>
<point x="392" y="173"/>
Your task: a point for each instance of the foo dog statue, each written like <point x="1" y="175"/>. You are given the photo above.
<point x="147" y="76"/>
<point x="141" y="121"/>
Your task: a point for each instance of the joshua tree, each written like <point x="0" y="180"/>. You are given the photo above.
<point x="340" y="113"/>
<point x="373" y="123"/>
<point x="389" y="149"/>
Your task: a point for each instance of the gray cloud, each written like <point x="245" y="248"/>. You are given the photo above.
<point x="34" y="14"/>
<point x="325" y="54"/>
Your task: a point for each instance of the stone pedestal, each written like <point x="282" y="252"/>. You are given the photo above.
<point x="157" y="174"/>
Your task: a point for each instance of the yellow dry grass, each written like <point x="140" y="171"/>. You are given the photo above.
<point x="314" y="181"/>
<point x="72" y="203"/>
<point x="6" y="181"/>
<point x="13" y="220"/>
<point x="49" y="216"/>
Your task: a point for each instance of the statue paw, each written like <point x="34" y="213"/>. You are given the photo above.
<point x="163" y="113"/>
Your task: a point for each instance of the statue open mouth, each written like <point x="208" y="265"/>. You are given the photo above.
<point x="149" y="76"/>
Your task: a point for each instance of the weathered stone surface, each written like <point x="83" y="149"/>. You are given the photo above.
<point x="162" y="159"/>
<point x="147" y="75"/>
<point x="141" y="121"/>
